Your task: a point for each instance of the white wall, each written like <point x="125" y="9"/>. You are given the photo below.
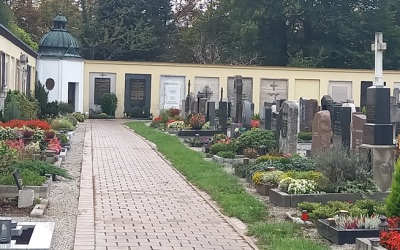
<point x="63" y="71"/>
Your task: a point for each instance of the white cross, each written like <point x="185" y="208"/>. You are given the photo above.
<point x="379" y="46"/>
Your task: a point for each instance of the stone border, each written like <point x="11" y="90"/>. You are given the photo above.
<point x="39" y="209"/>
<point x="11" y="191"/>
<point x="365" y="244"/>
<point x="216" y="209"/>
<point x="202" y="133"/>
<point x="234" y="162"/>
<point x="85" y="233"/>
<point x="282" y="199"/>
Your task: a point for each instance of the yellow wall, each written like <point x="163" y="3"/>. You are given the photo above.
<point x="311" y="83"/>
<point x="13" y="53"/>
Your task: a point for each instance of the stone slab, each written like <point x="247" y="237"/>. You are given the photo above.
<point x="25" y="198"/>
<point x="282" y="199"/>
<point x="39" y="210"/>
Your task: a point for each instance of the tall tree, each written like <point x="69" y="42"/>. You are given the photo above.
<point x="127" y="30"/>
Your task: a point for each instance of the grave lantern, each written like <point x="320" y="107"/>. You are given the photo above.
<point x="197" y="136"/>
<point x="384" y="225"/>
<point x="5" y="230"/>
<point x="262" y="150"/>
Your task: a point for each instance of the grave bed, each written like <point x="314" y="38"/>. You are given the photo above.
<point x="234" y="162"/>
<point x="282" y="199"/>
<point x="344" y="236"/>
<point x="11" y="191"/>
<point x="202" y="133"/>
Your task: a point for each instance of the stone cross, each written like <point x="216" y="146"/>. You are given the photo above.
<point x="379" y="46"/>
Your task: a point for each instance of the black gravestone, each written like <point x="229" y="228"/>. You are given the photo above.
<point x="223" y="116"/>
<point x="268" y="116"/>
<point x="327" y="104"/>
<point x="378" y="130"/>
<point x="363" y="98"/>
<point x="18" y="180"/>
<point x="337" y="125"/>
<point x="137" y="95"/>
<point x="345" y="122"/>
<point x="101" y="87"/>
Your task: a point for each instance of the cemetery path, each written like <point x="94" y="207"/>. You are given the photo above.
<point x="140" y="201"/>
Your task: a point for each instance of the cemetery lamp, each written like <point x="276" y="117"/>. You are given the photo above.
<point x="197" y="136"/>
<point x="384" y="225"/>
<point x="262" y="150"/>
<point x="5" y="230"/>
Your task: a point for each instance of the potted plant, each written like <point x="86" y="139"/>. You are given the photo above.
<point x="50" y="134"/>
<point x="267" y="181"/>
<point x="197" y="121"/>
<point x="27" y="132"/>
<point x="64" y="141"/>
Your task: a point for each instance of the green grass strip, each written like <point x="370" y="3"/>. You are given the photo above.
<point x="224" y="188"/>
<point x="282" y="236"/>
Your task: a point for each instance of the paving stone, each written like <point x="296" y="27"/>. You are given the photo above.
<point x="141" y="202"/>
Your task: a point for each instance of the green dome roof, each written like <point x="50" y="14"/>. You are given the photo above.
<point x="59" y="42"/>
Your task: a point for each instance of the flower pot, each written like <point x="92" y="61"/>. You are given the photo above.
<point x="27" y="134"/>
<point x="263" y="189"/>
<point x="196" y="127"/>
<point x="49" y="135"/>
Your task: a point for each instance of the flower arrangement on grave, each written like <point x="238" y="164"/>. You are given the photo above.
<point x="257" y="177"/>
<point x="250" y="153"/>
<point x="224" y="145"/>
<point x="390" y="240"/>
<point x="255" y="124"/>
<point x="298" y="186"/>
<point x="394" y="222"/>
<point x="54" y="145"/>
<point x="32" y="124"/>
<point x="169" y="122"/>
<point x="240" y="129"/>
<point x="361" y="222"/>
<point x="157" y="119"/>
<point x="176" y="124"/>
<point x="197" y="120"/>
<point x="271" y="178"/>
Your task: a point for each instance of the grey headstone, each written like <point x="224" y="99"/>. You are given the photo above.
<point x="302" y="114"/>
<point x="202" y="105"/>
<point x="25" y="198"/>
<point x="246" y="116"/>
<point x="288" y="134"/>
<point x="393" y="109"/>
<point x="396" y="93"/>
<point x="268" y="116"/>
<point x="211" y="114"/>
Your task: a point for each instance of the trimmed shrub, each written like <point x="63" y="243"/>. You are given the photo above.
<point x="256" y="138"/>
<point x="62" y="124"/>
<point x="40" y="167"/>
<point x="66" y="108"/>
<point x="222" y="146"/>
<point x="305" y="136"/>
<point x="226" y="154"/>
<point x="109" y="103"/>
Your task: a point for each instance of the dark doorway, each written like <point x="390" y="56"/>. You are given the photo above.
<point x="71" y="93"/>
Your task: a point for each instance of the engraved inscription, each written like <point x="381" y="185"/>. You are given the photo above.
<point x="137" y="89"/>
<point x="101" y="87"/>
<point x="284" y="125"/>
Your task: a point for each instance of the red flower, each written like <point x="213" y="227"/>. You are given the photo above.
<point x="33" y="124"/>
<point x="391" y="240"/>
<point x="157" y="119"/>
<point x="255" y="123"/>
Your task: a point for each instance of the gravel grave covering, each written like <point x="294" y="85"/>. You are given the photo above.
<point x="63" y="198"/>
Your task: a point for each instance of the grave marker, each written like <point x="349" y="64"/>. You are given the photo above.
<point x="288" y="131"/>
<point x="268" y="115"/>
<point x="302" y="114"/>
<point x="137" y="95"/>
<point x="202" y="105"/>
<point x="321" y="138"/>
<point x="311" y="109"/>
<point x="357" y="129"/>
<point x="327" y="104"/>
<point x="223" y="116"/>
<point x="238" y="95"/>
<point x="246" y="116"/>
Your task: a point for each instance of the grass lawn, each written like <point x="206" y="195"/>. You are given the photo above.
<point x="226" y="190"/>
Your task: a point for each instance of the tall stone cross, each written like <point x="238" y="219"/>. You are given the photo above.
<point x="379" y="46"/>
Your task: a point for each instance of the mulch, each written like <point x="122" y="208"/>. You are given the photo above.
<point x="9" y="208"/>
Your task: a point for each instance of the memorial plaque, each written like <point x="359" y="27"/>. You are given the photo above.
<point x="137" y="95"/>
<point x="138" y="87"/>
<point x="101" y="87"/>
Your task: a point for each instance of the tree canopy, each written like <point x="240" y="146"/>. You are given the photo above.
<point x="299" y="33"/>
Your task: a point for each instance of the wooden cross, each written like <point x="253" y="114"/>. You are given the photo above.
<point x="379" y="46"/>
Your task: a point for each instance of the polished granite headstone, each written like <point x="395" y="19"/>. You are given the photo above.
<point x="378" y="130"/>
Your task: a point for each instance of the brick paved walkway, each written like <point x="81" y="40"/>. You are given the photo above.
<point x="142" y="203"/>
